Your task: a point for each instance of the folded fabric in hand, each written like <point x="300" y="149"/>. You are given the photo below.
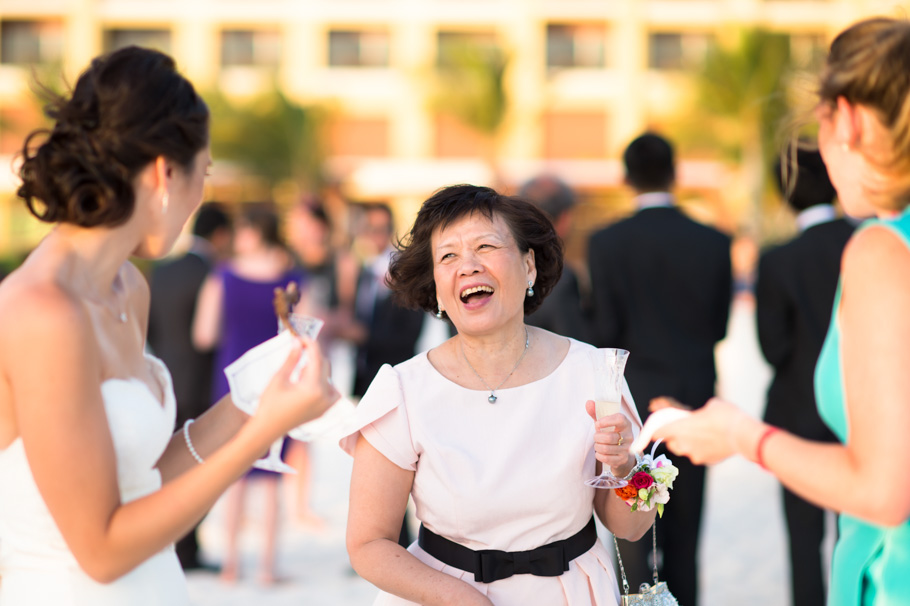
<point x="655" y="421"/>
<point x="249" y="375"/>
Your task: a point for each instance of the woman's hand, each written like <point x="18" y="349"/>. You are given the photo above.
<point x="710" y="434"/>
<point x="612" y="439"/>
<point x="287" y="403"/>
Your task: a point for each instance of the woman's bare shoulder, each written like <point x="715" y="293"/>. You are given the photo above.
<point x="35" y="307"/>
<point x="874" y="252"/>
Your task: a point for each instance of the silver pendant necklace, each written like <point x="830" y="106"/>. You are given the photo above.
<point x="492" y="399"/>
<point x="119" y="307"/>
<point x="120" y="299"/>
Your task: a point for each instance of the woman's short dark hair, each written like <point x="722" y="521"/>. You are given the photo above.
<point x="127" y="108"/>
<point x="411" y="270"/>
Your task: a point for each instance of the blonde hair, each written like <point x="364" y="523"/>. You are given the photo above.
<point x="869" y="64"/>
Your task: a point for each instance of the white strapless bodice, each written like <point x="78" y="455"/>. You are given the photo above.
<point x="36" y="567"/>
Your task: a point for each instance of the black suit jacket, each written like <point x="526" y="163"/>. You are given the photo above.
<point x="174" y="288"/>
<point x="794" y="297"/>
<point x="563" y="312"/>
<point x="661" y="287"/>
<point x="392" y="339"/>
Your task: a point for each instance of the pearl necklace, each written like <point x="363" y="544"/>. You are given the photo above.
<point x="492" y="399"/>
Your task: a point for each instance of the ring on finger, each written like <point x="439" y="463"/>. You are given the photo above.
<point x="619" y="443"/>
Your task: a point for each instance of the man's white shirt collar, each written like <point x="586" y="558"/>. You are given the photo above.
<point x="654" y="199"/>
<point x="812" y="216"/>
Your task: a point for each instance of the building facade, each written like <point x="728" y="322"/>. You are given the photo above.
<point x="583" y="76"/>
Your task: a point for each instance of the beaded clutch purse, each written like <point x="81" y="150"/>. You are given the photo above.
<point x="657" y="594"/>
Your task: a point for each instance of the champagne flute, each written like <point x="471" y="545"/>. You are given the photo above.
<point x="306" y="326"/>
<point x="249" y="375"/>
<point x="609" y="365"/>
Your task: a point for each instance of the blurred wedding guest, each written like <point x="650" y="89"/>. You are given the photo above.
<point x="862" y="386"/>
<point x="662" y="285"/>
<point x="491" y="432"/>
<point x="563" y="311"/>
<point x="331" y="272"/>
<point x="390" y="330"/>
<point x="174" y="289"/>
<point x="234" y="314"/>
<point x="309" y="236"/>
<point x="794" y="296"/>
<point x="95" y="486"/>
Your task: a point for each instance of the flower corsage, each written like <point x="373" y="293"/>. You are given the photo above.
<point x="649" y="483"/>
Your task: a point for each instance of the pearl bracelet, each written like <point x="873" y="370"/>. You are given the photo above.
<point x="189" y="443"/>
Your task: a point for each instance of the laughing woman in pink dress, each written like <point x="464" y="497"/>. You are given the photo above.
<point x="490" y="433"/>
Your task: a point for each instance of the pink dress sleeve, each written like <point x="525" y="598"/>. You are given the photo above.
<point x="381" y="417"/>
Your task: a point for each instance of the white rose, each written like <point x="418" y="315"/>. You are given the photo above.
<point x="665" y="474"/>
<point x="662" y="495"/>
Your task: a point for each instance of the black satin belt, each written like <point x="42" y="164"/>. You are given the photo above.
<point x="488" y="565"/>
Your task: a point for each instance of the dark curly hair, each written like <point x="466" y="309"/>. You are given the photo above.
<point x="411" y="271"/>
<point x="127" y="108"/>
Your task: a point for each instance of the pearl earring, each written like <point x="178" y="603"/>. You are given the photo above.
<point x="530" y="289"/>
<point x="439" y="312"/>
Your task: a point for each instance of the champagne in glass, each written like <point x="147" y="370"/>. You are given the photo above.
<point x="603" y="408"/>
<point x="608" y="367"/>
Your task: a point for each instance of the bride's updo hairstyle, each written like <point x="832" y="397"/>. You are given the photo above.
<point x="127" y="108"/>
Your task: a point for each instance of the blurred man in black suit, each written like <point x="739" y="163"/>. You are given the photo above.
<point x="389" y="331"/>
<point x="562" y="311"/>
<point x="174" y="286"/>
<point x="794" y="296"/>
<point x="661" y="286"/>
<point x="392" y="331"/>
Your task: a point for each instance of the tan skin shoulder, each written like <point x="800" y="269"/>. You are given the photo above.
<point x="36" y="313"/>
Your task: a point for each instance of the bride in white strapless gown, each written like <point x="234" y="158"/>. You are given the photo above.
<point x="36" y="567"/>
<point x="95" y="485"/>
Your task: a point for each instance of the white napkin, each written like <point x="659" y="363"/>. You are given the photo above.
<point x="655" y="421"/>
<point x="249" y="375"/>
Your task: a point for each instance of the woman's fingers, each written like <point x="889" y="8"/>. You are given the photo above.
<point x="655" y="423"/>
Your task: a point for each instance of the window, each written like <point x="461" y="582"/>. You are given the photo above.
<point x="250" y="48"/>
<point x="159" y="39"/>
<point x="351" y="48"/>
<point x="575" y="45"/>
<point x="677" y="50"/>
<point x="31" y="42"/>
<point x="451" y="46"/>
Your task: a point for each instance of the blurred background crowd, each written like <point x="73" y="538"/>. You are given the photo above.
<point x="333" y="121"/>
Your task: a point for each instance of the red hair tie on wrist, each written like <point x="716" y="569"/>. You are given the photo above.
<point x="769" y="431"/>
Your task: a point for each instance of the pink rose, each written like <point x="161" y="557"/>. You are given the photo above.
<point x="641" y="480"/>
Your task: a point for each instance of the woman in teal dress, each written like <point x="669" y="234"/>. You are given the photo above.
<point x="862" y="378"/>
